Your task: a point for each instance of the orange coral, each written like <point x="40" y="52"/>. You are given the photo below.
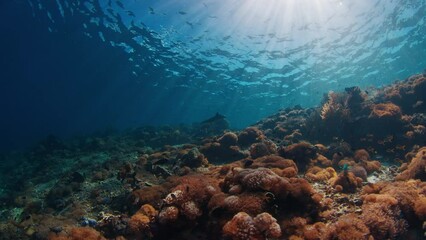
<point x="189" y="197"/>
<point x="79" y="233"/>
<point x="317" y="174"/>
<point x="385" y="110"/>
<point x="420" y="208"/>
<point x="273" y="161"/>
<point x="381" y="213"/>
<point x="348" y="182"/>
<point x="417" y="167"/>
<point x="139" y="222"/>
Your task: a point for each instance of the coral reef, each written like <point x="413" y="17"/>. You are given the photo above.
<point x="353" y="168"/>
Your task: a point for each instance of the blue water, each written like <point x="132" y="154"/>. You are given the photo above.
<point x="73" y="67"/>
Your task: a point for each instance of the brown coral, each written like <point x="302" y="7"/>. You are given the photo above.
<point x="417" y="167"/>
<point x="302" y="153"/>
<point x="347" y="181"/>
<point x="348" y="227"/>
<point x="385" y="110"/>
<point x="243" y="226"/>
<point x="317" y="174"/>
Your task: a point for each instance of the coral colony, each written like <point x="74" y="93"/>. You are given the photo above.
<point x="353" y="168"/>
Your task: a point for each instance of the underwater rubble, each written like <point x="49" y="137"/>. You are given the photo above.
<point x="353" y="168"/>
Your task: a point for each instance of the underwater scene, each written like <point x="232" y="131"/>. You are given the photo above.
<point x="213" y="119"/>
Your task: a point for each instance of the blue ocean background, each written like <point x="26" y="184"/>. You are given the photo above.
<point x="76" y="67"/>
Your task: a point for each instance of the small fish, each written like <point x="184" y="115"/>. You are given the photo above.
<point x="151" y="10"/>
<point x="190" y="24"/>
<point x="130" y="13"/>
<point x="417" y="104"/>
<point x="182" y="13"/>
<point x="120" y="4"/>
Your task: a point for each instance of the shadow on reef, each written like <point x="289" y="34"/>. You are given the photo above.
<point x="353" y="168"/>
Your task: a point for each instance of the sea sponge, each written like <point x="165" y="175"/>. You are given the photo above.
<point x="416" y="169"/>
<point x="243" y="226"/>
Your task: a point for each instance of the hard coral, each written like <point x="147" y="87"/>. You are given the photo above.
<point x="243" y="226"/>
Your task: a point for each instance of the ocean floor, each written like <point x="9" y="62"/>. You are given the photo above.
<point x="353" y="168"/>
